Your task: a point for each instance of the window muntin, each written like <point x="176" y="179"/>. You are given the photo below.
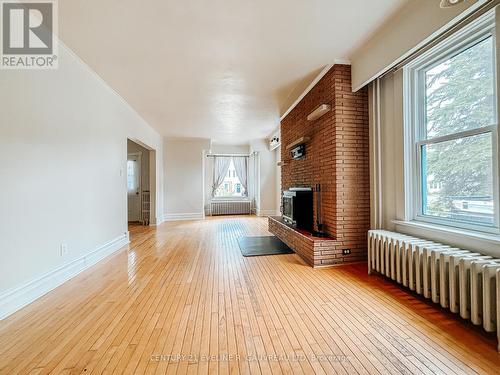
<point x="452" y="132"/>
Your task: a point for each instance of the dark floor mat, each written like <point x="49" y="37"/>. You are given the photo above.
<point x="262" y="245"/>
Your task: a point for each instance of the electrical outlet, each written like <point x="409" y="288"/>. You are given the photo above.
<point x="346" y="251"/>
<point x="64" y="249"/>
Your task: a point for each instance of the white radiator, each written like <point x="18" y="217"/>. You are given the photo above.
<point x="463" y="281"/>
<point x="230" y="207"/>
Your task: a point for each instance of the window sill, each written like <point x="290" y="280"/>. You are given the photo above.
<point x="455" y="235"/>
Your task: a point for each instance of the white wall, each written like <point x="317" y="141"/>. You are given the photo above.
<point x="411" y="25"/>
<point x="184" y="178"/>
<point x="229" y="149"/>
<point x="266" y="204"/>
<point x="63" y="134"/>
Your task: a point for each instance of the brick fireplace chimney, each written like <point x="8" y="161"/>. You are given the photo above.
<point x="337" y="157"/>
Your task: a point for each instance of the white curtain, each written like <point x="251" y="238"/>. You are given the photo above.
<point x="241" y="167"/>
<point x="221" y="166"/>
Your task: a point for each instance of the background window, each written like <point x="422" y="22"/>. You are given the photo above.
<point x="132" y="176"/>
<point x="231" y="186"/>
<point x="455" y="128"/>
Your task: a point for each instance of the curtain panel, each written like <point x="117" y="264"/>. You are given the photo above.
<point x="221" y="166"/>
<point x="241" y="167"/>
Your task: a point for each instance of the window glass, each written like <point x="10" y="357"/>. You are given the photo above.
<point x="458" y="179"/>
<point x="132" y="176"/>
<point x="231" y="186"/>
<point x="460" y="92"/>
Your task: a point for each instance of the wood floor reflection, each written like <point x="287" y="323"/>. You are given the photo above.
<point x="181" y="299"/>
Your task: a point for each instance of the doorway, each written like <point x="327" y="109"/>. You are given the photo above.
<point x="141" y="183"/>
<point x="134" y="187"/>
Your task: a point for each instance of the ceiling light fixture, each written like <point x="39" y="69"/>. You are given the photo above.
<point x="449" y="3"/>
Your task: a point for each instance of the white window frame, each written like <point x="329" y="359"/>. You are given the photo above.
<point x="415" y="115"/>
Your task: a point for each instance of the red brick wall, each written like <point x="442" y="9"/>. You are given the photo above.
<point x="336" y="157"/>
<point x="316" y="252"/>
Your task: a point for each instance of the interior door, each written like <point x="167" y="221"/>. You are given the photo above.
<point x="134" y="187"/>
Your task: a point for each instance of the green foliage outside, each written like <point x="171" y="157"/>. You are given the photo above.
<point x="460" y="96"/>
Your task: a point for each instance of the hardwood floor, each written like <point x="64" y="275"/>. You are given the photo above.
<point x="182" y="299"/>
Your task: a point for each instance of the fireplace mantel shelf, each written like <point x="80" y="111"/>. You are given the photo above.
<point x="297" y="142"/>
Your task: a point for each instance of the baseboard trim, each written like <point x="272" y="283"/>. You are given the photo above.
<point x="184" y="216"/>
<point x="267" y="213"/>
<point x="17" y="298"/>
<point x="338" y="264"/>
<point x="156" y="222"/>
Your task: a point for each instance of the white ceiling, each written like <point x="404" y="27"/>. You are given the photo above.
<point x="219" y="69"/>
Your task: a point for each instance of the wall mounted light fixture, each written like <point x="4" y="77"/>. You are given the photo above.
<point x="318" y="112"/>
<point x="449" y="3"/>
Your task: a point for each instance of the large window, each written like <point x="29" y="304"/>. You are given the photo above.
<point x="231" y="186"/>
<point x="452" y="156"/>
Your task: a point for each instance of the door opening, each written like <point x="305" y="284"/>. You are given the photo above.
<point x="134" y="187"/>
<point x="141" y="183"/>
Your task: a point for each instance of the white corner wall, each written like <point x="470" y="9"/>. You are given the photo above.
<point x="184" y="178"/>
<point x="267" y="166"/>
<point x="63" y="134"/>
